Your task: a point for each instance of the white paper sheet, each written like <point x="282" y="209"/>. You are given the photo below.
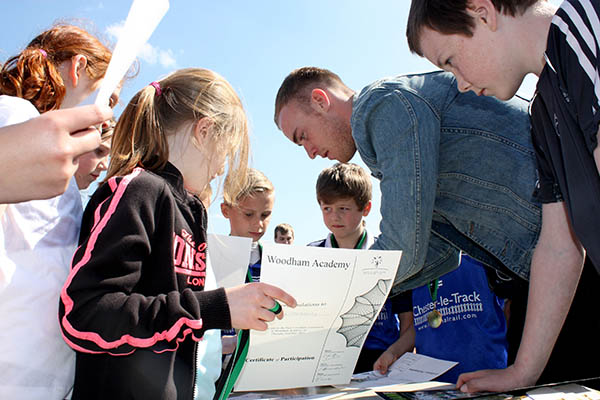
<point x="142" y="20"/>
<point x="564" y="392"/>
<point x="279" y="396"/>
<point x="339" y="293"/>
<point x="409" y="368"/>
<point x="230" y="256"/>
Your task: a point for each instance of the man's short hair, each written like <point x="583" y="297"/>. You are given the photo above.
<point x="284" y="228"/>
<point x="298" y="85"/>
<point x="342" y="181"/>
<point x="450" y="17"/>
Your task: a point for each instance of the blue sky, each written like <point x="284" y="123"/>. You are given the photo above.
<point x="254" y="45"/>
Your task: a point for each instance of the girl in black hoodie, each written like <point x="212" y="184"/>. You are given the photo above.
<point x="134" y="304"/>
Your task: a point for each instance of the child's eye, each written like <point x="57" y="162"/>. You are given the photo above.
<point x="101" y="152"/>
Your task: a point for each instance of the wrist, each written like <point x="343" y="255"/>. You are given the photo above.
<point x="524" y="374"/>
<point x="394" y="353"/>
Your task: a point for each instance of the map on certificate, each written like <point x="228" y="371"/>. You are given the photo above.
<point x="340" y="293"/>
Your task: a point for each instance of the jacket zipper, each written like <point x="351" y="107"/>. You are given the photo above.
<point x="195" y="370"/>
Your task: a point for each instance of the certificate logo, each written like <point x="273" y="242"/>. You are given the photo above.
<point x="376" y="261"/>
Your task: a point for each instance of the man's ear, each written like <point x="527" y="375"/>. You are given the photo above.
<point x="319" y="100"/>
<point x="483" y="12"/>
<point x="78" y="64"/>
<point x="367" y="209"/>
<point x="225" y="210"/>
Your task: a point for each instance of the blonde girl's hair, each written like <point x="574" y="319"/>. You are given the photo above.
<point x="165" y="108"/>
<point x="256" y="182"/>
<point x="33" y="73"/>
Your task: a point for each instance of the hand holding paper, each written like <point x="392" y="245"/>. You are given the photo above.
<point x="249" y="305"/>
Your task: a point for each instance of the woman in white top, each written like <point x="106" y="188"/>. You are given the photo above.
<point x="57" y="70"/>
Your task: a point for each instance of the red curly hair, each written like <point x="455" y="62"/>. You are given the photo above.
<point x="33" y="74"/>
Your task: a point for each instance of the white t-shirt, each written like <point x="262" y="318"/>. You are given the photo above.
<point x="37" y="241"/>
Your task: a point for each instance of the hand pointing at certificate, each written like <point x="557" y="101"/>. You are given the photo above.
<point x="250" y="304"/>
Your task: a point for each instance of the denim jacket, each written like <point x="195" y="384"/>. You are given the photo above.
<point x="456" y="171"/>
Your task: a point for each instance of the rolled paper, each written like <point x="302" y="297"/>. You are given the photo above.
<point x="142" y="20"/>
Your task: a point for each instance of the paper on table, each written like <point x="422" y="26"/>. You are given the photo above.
<point x="230" y="256"/>
<point x="339" y="292"/>
<point x="564" y="392"/>
<point x="407" y="369"/>
<point x="284" y="396"/>
<point x="142" y="20"/>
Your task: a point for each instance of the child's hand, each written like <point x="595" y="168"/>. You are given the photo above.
<point x="249" y="305"/>
<point x="384" y="361"/>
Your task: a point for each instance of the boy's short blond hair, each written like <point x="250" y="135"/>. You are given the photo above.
<point x="256" y="182"/>
<point x="344" y="180"/>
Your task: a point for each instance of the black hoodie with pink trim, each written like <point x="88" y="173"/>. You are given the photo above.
<point x="133" y="305"/>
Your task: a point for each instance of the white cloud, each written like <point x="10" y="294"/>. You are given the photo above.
<point x="154" y="55"/>
<point x="151" y="54"/>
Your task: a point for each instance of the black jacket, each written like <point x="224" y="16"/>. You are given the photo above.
<point x="133" y="305"/>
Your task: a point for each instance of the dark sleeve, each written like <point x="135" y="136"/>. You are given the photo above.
<point x="546" y="189"/>
<point x="100" y="310"/>
<point x="573" y="50"/>
<point x="402" y="303"/>
<point x="318" y="243"/>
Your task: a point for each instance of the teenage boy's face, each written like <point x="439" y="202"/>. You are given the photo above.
<point x="478" y="62"/>
<point x="323" y="135"/>
<point x="343" y="217"/>
<point x="251" y="217"/>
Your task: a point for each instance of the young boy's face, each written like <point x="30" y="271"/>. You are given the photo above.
<point x="91" y="165"/>
<point x="343" y="217"/>
<point x="251" y="217"/>
<point x="482" y="63"/>
<point x="284" y="238"/>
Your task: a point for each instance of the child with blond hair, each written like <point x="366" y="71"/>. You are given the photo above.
<point x="134" y="305"/>
<point x="251" y="214"/>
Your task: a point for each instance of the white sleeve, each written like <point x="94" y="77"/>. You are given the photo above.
<point x="14" y="110"/>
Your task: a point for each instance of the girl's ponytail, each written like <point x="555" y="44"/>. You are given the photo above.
<point x="32" y="76"/>
<point x="138" y="138"/>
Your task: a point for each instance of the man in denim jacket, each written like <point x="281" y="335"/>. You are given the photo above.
<point x="456" y="171"/>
